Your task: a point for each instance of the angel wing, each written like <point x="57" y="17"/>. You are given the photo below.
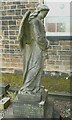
<point x="24" y="30"/>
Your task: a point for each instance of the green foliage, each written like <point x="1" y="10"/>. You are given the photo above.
<point x="12" y="95"/>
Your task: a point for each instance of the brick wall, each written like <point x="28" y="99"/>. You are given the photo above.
<point x="12" y="13"/>
<point x="59" y="56"/>
<point x="59" y="52"/>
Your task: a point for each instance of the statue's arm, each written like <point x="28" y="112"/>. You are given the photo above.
<point x="40" y="36"/>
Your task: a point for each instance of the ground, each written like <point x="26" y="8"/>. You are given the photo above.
<point x="52" y="83"/>
<point x="64" y="108"/>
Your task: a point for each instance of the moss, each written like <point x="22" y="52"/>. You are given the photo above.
<point x="52" y="83"/>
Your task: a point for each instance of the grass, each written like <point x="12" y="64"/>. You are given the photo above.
<point x="14" y="80"/>
<point x="52" y="83"/>
<point x="56" y="83"/>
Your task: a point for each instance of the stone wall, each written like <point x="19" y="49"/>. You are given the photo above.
<point x="12" y="13"/>
<point x="59" y="56"/>
<point x="59" y="53"/>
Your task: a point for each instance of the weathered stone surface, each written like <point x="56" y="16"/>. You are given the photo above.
<point x="52" y="114"/>
<point x="31" y="97"/>
<point x="32" y="106"/>
<point x="28" y="110"/>
<point x="49" y="108"/>
<point x="44" y="109"/>
<point x="4" y="103"/>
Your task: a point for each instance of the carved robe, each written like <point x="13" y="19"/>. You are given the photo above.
<point x="33" y="56"/>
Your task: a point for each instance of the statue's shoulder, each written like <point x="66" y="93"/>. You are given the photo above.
<point x="34" y="21"/>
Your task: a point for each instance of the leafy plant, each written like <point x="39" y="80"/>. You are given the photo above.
<point x="12" y="95"/>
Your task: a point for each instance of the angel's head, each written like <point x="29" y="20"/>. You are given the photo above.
<point x="40" y="12"/>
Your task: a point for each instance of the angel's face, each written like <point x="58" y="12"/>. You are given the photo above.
<point x="42" y="14"/>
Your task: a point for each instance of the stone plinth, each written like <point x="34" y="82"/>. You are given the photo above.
<point x="28" y="110"/>
<point x="30" y="105"/>
<point x="43" y="108"/>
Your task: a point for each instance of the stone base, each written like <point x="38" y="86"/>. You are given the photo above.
<point x="30" y="105"/>
<point x="52" y="113"/>
<point x="28" y="110"/>
<point x="43" y="108"/>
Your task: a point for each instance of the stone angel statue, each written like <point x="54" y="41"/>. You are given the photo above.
<point x="33" y="42"/>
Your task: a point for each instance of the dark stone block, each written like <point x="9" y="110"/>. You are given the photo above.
<point x="7" y="18"/>
<point x="12" y="32"/>
<point x="12" y="22"/>
<point x="13" y="7"/>
<point x="5" y="27"/>
<point x="17" y="32"/>
<point x="3" y="3"/>
<point x="21" y="6"/>
<point x="4" y="12"/>
<point x="17" y="17"/>
<point x="10" y="12"/>
<point x="13" y="37"/>
<point x="5" y="37"/>
<point x="1" y="96"/>
<point x="17" y="12"/>
<point x="66" y="52"/>
<point x="54" y="42"/>
<point x="6" y="7"/>
<point x="5" y="32"/>
<point x="4" y="87"/>
<point x="16" y="2"/>
<point x="14" y="27"/>
<point x="5" y="41"/>
<point x="6" y="46"/>
<point x="9" y="3"/>
<point x="11" y="51"/>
